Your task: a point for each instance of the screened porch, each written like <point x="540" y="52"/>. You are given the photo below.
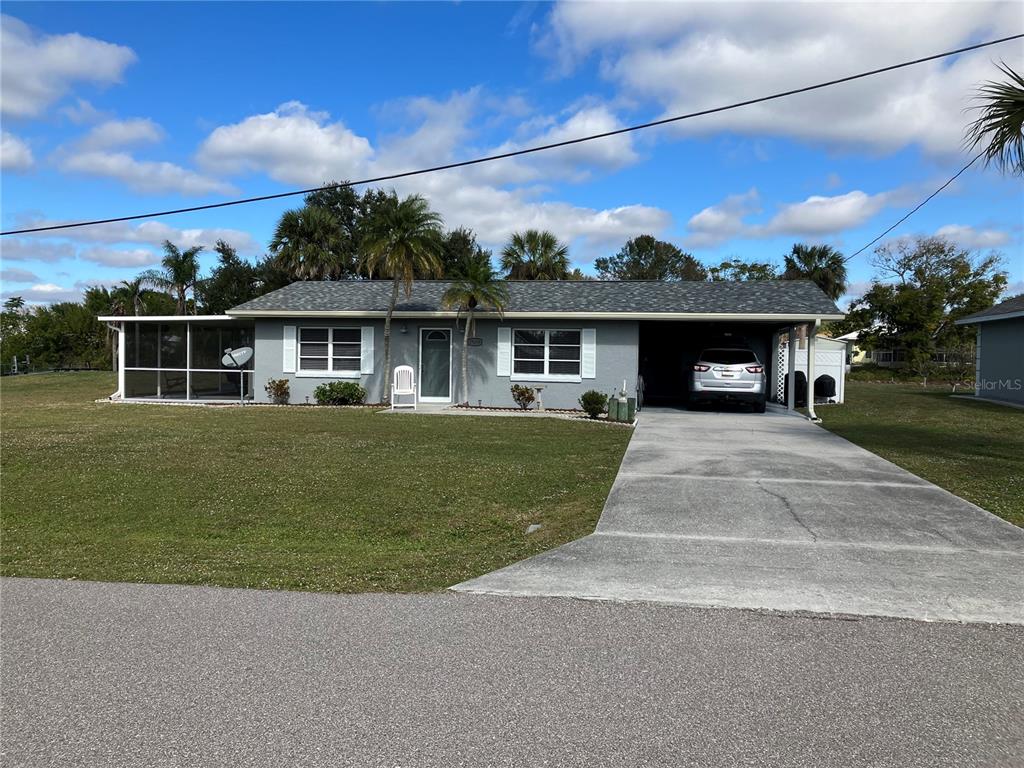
<point x="182" y="358"/>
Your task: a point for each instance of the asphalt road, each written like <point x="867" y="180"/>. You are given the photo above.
<point x="144" y="675"/>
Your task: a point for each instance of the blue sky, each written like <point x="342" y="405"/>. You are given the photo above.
<point x="123" y="108"/>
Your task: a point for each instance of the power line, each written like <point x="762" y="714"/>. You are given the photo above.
<point x="919" y="206"/>
<point x="518" y="152"/>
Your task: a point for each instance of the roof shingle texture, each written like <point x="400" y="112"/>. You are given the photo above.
<point x="782" y="297"/>
<point x="1010" y="306"/>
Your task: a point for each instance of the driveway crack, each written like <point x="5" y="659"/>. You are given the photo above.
<point x="789" y="508"/>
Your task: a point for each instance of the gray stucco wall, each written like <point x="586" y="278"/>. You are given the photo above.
<point x="617" y="348"/>
<point x="1001" y="352"/>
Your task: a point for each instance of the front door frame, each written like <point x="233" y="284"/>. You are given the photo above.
<point x="451" y="369"/>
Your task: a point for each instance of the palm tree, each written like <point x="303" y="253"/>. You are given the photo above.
<point x="132" y="290"/>
<point x="1001" y="122"/>
<point x="535" y="255"/>
<point x="821" y="264"/>
<point x="14" y="304"/>
<point x="476" y="286"/>
<point x="179" y="275"/>
<point x="307" y="242"/>
<point x="402" y="240"/>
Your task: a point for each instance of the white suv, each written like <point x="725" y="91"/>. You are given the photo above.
<point x="729" y="374"/>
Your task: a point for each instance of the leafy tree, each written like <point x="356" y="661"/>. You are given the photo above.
<point x="1001" y="123"/>
<point x="232" y="282"/>
<point x="578" y="274"/>
<point x="646" y="258"/>
<point x="14" y="304"/>
<point x="477" y="286"/>
<point x="535" y="255"/>
<point x="352" y="212"/>
<point x="270" y="275"/>
<point x="179" y="275"/>
<point x="309" y="245"/>
<point x="402" y="240"/>
<point x="460" y="252"/>
<point x="921" y="289"/>
<point x="740" y="271"/>
<point x="821" y="264"/>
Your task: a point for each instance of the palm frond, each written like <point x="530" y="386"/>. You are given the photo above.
<point x="1000" y="126"/>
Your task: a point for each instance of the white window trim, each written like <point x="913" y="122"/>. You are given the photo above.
<point x="330" y="373"/>
<point x="573" y="378"/>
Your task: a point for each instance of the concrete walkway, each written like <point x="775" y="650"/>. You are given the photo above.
<point x="772" y="512"/>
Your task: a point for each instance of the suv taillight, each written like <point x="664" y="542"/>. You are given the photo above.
<point x="701" y="368"/>
<point x="755" y="368"/>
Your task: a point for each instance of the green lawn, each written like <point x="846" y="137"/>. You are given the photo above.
<point x="974" y="449"/>
<point x="283" y="498"/>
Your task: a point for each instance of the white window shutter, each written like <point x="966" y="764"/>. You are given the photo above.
<point x="589" y="359"/>
<point x="366" y="365"/>
<point x="504" y="351"/>
<point x="288" y="347"/>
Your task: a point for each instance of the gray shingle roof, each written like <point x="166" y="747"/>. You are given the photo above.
<point x="775" y="297"/>
<point x="1009" y="307"/>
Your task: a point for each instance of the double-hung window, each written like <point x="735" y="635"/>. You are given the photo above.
<point x="551" y="354"/>
<point x="335" y="350"/>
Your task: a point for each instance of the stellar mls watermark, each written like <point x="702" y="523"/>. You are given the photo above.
<point x="1002" y="385"/>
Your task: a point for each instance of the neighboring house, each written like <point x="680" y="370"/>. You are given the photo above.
<point x="564" y="336"/>
<point x="999" y="351"/>
<point x="883" y="358"/>
<point x="855" y="355"/>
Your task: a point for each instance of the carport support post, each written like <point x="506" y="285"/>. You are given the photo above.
<point x="812" y="334"/>
<point x="791" y="369"/>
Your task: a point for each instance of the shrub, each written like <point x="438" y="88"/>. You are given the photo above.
<point x="339" y="393"/>
<point x="594" y="403"/>
<point x="279" y="391"/>
<point x="523" y="395"/>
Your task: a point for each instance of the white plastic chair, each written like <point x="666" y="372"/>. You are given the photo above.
<point x="404" y="383"/>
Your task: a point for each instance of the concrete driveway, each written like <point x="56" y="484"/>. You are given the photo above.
<point x="772" y="512"/>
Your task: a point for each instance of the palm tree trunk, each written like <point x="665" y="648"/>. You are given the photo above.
<point x="387" y="342"/>
<point x="465" y="358"/>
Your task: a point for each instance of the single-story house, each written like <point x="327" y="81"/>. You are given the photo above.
<point x="564" y="336"/>
<point x="999" y="351"/>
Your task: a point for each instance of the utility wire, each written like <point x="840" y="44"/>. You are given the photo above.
<point x="518" y="152"/>
<point x="919" y="206"/>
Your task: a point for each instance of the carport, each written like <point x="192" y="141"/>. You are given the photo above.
<point x="669" y="348"/>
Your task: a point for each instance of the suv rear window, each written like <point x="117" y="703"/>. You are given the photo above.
<point x="728" y="356"/>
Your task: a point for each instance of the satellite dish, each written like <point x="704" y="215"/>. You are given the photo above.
<point x="236" y="358"/>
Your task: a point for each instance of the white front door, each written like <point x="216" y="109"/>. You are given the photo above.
<point x="435" y="365"/>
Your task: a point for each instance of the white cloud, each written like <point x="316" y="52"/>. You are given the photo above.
<point x="121" y="133"/>
<point x="296" y="145"/>
<point x="819" y="215"/>
<point x="82" y="111"/>
<point x="576" y="160"/>
<point x="692" y="56"/>
<point x="145" y="176"/>
<point x="124" y="232"/>
<point x="15" y="154"/>
<point x="14" y="275"/>
<point x="46" y="293"/>
<point x="113" y="257"/>
<point x="30" y="249"/>
<point x="292" y="144"/>
<point x="974" y="239"/>
<point x="38" y="69"/>
<point x="723" y="221"/>
<point x="816" y="216"/>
